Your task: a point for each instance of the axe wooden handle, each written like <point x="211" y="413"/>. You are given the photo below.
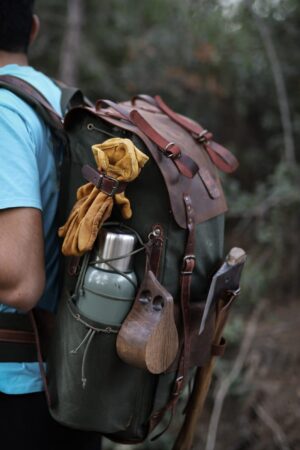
<point x="185" y="437"/>
<point x="195" y="406"/>
<point x="203" y="375"/>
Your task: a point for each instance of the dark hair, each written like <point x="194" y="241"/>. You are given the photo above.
<point x="15" y="25"/>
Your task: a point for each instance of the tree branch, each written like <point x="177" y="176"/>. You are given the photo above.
<point x="279" y="435"/>
<point x="68" y="67"/>
<point x="283" y="103"/>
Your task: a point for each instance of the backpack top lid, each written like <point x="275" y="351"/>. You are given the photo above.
<point x="162" y="135"/>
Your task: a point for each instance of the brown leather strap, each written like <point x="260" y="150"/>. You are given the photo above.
<point x="184" y="163"/>
<point x="187" y="269"/>
<point x="123" y="112"/>
<point x="154" y="249"/>
<point x="73" y="265"/>
<point x="39" y="355"/>
<point x="144" y="98"/>
<point x="23" y="86"/>
<point x="185" y="281"/>
<point x="17" y="336"/>
<point x="157" y="416"/>
<point x="221" y="157"/>
<point x="168" y="148"/>
<point x="106" y="184"/>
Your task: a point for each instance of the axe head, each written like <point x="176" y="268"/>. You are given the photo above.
<point x="227" y="278"/>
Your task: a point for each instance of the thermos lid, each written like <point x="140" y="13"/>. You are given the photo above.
<point x="113" y="243"/>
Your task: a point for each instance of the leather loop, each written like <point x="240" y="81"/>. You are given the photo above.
<point x="219" y="349"/>
<point x="106" y="184"/>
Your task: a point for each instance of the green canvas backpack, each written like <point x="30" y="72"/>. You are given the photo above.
<point x="178" y="215"/>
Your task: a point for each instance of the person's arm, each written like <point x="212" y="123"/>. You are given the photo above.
<point x="22" y="273"/>
<point x="22" y="265"/>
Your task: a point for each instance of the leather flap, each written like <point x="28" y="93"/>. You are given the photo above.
<point x="204" y="188"/>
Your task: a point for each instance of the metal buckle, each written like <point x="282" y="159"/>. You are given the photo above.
<point x="184" y="272"/>
<point x="178" y="386"/>
<point x="168" y="153"/>
<point x="201" y="136"/>
<point x="114" y="188"/>
<point x="233" y="293"/>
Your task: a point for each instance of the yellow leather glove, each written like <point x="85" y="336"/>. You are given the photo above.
<point x="120" y="159"/>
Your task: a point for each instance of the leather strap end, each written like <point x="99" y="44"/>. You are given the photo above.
<point x="221" y="157"/>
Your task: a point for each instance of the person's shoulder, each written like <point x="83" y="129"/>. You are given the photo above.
<point x="45" y="85"/>
<point x="17" y="115"/>
<point x="10" y="103"/>
<point x="38" y="80"/>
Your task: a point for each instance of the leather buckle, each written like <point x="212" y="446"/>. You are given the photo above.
<point x="201" y="137"/>
<point x="178" y="386"/>
<point x="184" y="264"/>
<point x="232" y="294"/>
<point x="114" y="188"/>
<point x="168" y="153"/>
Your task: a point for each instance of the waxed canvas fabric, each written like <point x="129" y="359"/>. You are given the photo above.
<point x="116" y="397"/>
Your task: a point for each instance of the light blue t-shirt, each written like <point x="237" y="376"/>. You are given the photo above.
<point x="28" y="178"/>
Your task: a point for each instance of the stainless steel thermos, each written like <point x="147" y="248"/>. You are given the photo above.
<point x="109" y="287"/>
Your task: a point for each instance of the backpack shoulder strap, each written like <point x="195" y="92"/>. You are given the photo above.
<point x="35" y="98"/>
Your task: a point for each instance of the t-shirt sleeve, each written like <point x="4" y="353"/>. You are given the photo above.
<point x="19" y="174"/>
